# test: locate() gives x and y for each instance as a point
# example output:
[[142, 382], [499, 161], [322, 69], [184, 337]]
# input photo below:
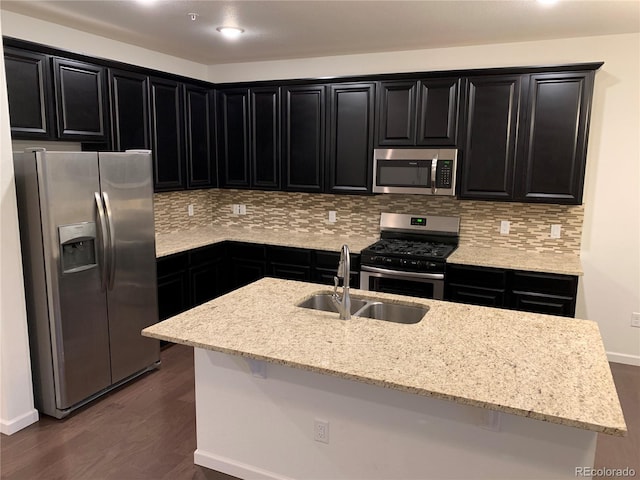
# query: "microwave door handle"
[[434, 167]]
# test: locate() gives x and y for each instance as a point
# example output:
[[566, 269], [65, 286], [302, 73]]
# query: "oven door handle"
[[430, 276]]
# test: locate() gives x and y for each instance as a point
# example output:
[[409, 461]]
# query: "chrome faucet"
[[344, 272]]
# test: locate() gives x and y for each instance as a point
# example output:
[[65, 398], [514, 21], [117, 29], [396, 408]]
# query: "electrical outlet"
[[190, 210], [504, 227], [321, 431], [555, 231], [635, 319], [243, 209], [332, 216]]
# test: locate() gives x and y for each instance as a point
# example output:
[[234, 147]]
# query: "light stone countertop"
[[549, 368], [175, 242], [503, 257], [497, 257]]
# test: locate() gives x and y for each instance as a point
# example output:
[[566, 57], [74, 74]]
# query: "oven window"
[[401, 287], [403, 173]]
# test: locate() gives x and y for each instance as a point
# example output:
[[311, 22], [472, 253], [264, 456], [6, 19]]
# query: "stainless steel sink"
[[361, 307], [322, 301], [393, 312]]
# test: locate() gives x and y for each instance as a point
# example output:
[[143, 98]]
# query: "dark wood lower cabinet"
[[536, 292], [173, 285]]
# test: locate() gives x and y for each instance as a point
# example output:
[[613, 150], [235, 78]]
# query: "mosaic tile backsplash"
[[308, 213]]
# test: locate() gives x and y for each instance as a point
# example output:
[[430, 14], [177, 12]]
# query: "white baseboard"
[[623, 358], [233, 467], [9, 427]]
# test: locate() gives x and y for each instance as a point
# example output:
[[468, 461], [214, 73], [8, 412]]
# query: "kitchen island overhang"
[[486, 360]]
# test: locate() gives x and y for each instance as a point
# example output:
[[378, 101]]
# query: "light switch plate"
[[332, 216], [242, 209], [190, 210], [235, 209], [555, 231], [505, 225]]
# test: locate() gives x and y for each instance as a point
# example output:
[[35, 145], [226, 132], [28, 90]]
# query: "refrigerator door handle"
[[104, 240], [112, 241]]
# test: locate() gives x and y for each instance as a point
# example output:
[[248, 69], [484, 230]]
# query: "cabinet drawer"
[[475, 295], [206, 254], [330, 260], [539, 303], [171, 264], [248, 251], [477, 276], [291, 256], [549, 283], [290, 272]]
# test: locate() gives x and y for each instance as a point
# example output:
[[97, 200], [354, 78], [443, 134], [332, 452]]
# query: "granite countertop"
[[503, 257], [497, 257], [540, 366], [169, 243]]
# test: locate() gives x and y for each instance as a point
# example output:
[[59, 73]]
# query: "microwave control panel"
[[444, 173]]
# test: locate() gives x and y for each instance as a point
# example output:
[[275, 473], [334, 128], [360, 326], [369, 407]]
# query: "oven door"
[[414, 284]]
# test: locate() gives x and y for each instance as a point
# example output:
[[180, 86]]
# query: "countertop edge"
[[395, 386]]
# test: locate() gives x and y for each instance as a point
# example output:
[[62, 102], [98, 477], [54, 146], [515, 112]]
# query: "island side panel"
[[254, 427]]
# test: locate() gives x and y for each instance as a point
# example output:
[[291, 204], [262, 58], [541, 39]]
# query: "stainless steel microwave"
[[425, 171]]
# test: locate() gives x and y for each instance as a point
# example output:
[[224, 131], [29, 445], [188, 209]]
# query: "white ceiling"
[[277, 29]]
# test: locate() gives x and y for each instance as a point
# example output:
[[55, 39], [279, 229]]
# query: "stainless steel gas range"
[[410, 257]]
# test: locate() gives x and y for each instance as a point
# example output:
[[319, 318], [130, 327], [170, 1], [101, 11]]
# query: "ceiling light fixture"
[[230, 32], [193, 16]]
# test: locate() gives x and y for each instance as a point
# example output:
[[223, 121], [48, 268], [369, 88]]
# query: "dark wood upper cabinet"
[[198, 131], [438, 111], [265, 137], [554, 150], [167, 134], [303, 137], [350, 156], [129, 110], [233, 137], [396, 118], [526, 137], [29, 93], [81, 103], [491, 131]]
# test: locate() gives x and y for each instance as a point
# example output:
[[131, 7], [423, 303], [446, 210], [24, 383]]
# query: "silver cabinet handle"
[[104, 240], [402, 273], [112, 240], [434, 167]]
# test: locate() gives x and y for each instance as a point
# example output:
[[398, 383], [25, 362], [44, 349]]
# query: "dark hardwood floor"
[[146, 430]]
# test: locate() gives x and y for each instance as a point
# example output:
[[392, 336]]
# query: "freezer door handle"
[[102, 222], [112, 241]]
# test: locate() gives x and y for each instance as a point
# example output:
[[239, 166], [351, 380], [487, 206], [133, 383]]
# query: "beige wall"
[[16, 395], [610, 288]]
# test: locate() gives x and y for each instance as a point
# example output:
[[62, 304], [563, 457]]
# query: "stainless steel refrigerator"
[[88, 249]]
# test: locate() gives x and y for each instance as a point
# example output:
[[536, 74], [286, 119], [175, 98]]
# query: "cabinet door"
[[197, 132], [167, 135], [265, 138], [490, 144], [247, 271], [129, 110], [173, 285], [475, 295], [350, 156], [29, 93], [206, 282], [396, 124], [476, 285], [438, 111], [303, 146], [233, 137], [81, 106], [544, 292], [555, 139]]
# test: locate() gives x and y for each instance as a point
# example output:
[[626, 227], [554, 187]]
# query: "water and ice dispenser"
[[77, 246]]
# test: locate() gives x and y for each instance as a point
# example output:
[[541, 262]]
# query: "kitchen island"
[[468, 392]]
